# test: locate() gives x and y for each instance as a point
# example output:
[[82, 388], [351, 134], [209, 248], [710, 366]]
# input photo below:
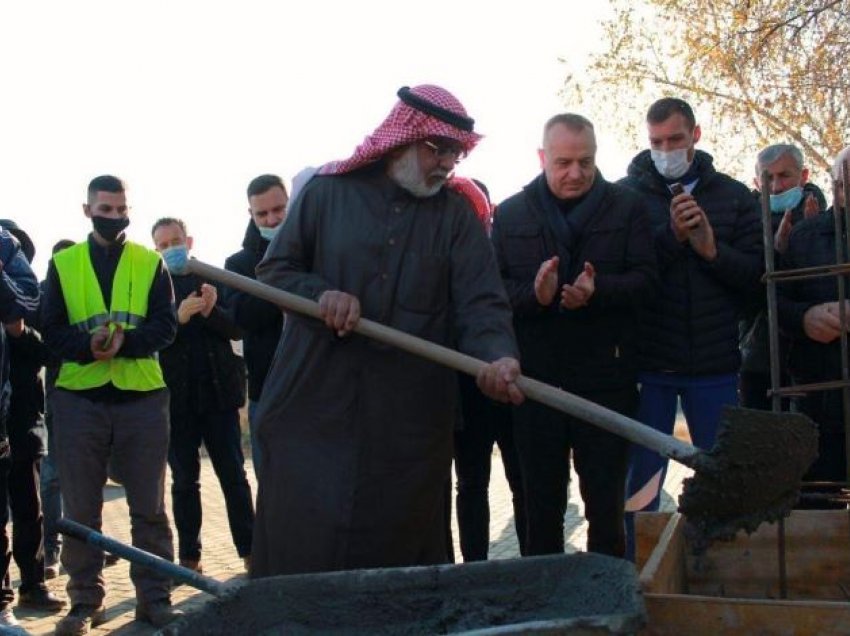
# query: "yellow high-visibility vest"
[[131, 286]]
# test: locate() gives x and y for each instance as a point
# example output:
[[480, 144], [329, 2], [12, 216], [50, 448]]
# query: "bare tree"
[[761, 71]]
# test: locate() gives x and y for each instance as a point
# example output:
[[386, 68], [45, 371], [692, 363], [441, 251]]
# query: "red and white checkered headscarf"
[[422, 111]]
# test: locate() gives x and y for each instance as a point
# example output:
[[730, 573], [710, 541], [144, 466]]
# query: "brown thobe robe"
[[356, 436]]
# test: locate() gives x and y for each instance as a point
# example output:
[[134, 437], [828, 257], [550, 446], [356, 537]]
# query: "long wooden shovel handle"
[[553, 397]]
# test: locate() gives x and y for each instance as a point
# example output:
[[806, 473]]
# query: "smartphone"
[[677, 188], [108, 342]]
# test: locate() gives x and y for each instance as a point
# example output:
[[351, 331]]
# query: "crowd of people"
[[640, 295]]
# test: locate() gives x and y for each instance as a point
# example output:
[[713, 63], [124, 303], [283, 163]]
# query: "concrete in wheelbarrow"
[[221, 561]]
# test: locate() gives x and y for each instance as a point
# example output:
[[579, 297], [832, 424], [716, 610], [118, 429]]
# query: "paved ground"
[[221, 561]]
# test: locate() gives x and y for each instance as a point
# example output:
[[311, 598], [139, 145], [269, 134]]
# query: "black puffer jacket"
[[261, 322], [591, 348], [753, 333], [811, 243], [693, 326], [200, 368], [26, 409]]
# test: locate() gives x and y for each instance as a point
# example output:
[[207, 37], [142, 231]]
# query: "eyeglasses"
[[444, 151]]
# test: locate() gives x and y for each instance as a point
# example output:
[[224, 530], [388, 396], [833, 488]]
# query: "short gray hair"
[[840, 158], [572, 121], [773, 152]]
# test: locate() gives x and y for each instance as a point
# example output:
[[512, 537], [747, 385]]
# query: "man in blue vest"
[[109, 308]]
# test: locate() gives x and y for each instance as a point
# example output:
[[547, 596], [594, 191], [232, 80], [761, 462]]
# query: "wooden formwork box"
[[733, 589]]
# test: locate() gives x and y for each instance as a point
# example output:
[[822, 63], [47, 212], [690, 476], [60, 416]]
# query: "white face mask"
[[671, 165]]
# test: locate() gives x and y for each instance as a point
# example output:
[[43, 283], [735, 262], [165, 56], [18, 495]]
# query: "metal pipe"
[[801, 389], [140, 557], [773, 347], [842, 310], [769, 266], [819, 271]]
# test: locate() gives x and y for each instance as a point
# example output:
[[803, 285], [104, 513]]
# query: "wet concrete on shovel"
[[751, 476]]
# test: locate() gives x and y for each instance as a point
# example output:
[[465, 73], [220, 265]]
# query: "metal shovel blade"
[[752, 474]]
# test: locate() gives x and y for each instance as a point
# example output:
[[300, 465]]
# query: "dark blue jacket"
[[260, 321], [812, 243], [591, 348], [692, 328], [19, 296]]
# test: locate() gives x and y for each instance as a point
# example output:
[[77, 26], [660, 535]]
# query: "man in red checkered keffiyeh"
[[356, 436], [422, 113]]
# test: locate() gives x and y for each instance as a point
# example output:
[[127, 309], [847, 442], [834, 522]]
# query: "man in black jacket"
[[792, 198], [707, 236], [809, 315], [207, 383], [27, 355], [261, 321], [576, 258], [18, 298]]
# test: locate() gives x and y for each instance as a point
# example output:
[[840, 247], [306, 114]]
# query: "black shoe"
[[41, 599], [159, 613]]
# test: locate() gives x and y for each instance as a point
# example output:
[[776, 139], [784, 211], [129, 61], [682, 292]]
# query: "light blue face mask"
[[787, 200], [269, 233], [176, 258]]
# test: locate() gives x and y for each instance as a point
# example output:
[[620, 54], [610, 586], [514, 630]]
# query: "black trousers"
[[484, 423], [19, 487], [545, 439], [219, 431], [753, 388]]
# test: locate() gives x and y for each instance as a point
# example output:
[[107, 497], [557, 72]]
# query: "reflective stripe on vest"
[[131, 286]]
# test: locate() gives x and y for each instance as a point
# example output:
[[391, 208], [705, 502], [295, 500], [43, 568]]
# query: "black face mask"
[[109, 228]]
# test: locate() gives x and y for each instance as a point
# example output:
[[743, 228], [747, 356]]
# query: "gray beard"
[[407, 173]]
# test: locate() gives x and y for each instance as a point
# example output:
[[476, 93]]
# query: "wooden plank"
[[674, 615], [648, 529], [817, 558], [664, 572]]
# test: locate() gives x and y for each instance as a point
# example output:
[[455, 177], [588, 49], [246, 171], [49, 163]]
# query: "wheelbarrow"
[[574, 594], [752, 474]]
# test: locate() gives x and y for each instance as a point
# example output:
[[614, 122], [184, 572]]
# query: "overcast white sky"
[[187, 101]]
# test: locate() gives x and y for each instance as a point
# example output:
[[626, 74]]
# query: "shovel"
[[751, 475]]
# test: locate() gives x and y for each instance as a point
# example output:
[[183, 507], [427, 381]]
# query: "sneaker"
[[192, 564], [159, 613], [40, 598], [7, 618], [81, 619], [9, 625]]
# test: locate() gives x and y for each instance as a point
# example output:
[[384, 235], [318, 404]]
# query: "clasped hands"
[[572, 296], [197, 304]]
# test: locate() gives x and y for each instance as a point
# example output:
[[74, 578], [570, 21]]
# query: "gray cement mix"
[[751, 476], [561, 594]]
